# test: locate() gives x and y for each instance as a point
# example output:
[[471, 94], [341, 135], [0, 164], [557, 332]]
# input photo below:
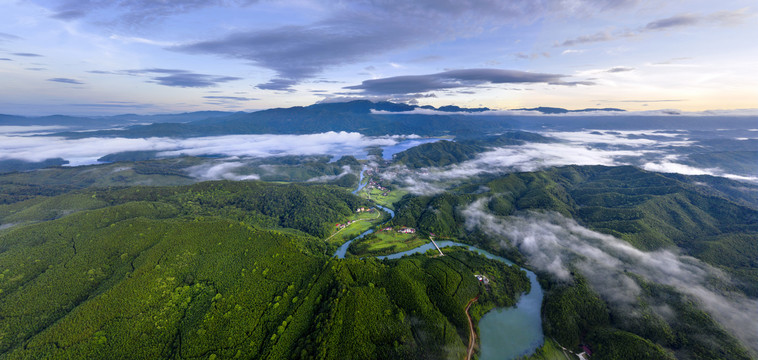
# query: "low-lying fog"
[[661, 151], [552, 243], [653, 150]]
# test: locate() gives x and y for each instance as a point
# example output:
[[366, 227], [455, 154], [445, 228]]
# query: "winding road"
[[471, 331]]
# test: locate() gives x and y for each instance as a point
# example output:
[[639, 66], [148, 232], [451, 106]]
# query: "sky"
[[99, 57]]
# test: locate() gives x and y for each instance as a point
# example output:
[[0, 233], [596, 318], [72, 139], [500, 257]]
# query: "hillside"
[[650, 211], [225, 269]]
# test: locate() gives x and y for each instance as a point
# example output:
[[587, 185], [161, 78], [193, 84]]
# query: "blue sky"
[[150, 56]]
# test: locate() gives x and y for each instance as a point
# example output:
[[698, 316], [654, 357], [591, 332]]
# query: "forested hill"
[[224, 270], [705, 217], [311, 209], [443, 153], [440, 153]]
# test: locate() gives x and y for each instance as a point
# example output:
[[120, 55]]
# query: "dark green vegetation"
[[222, 270], [11, 165], [648, 210], [18, 186], [439, 153], [698, 216], [443, 153], [304, 168]]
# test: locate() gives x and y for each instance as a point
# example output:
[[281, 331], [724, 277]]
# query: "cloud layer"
[[130, 13], [651, 150], [411, 84], [355, 31], [66, 81], [720, 18], [88, 150], [176, 77], [552, 243]]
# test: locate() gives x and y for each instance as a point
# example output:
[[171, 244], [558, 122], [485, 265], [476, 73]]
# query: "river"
[[504, 333]]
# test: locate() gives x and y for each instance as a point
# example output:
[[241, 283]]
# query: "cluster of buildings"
[[342, 226], [362, 209], [483, 279], [375, 185], [403, 230]]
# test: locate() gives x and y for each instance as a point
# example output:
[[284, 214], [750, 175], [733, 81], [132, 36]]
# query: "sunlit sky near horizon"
[[90, 57]]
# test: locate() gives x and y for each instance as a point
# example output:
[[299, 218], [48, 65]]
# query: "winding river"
[[505, 333]]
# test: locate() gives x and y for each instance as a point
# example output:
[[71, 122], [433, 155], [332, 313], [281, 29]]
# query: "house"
[[483, 279], [387, 229], [406, 230], [341, 226]]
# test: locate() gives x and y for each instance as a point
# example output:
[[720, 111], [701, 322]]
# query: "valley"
[[330, 256]]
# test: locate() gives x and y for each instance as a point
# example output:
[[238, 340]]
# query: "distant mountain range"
[[357, 106], [554, 110], [366, 117]]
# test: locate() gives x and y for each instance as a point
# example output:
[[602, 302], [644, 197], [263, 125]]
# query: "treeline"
[[312, 209], [309, 208], [145, 277]]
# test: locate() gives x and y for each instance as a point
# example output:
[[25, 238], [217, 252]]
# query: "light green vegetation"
[[551, 350], [48, 208], [362, 222], [386, 242], [224, 270], [388, 201]]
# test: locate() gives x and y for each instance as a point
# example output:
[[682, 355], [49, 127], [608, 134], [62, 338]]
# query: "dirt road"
[[471, 332]]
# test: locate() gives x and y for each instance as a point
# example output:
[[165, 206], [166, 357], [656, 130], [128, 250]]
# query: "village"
[[402, 230]]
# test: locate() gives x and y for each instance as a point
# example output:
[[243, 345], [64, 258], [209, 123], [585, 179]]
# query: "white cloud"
[[219, 171], [672, 167], [29, 130], [527, 157], [652, 150], [88, 150], [657, 112], [551, 242], [324, 178], [572, 51]]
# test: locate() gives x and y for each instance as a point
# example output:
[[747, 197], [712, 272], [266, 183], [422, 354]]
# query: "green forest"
[[224, 270], [704, 217]]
